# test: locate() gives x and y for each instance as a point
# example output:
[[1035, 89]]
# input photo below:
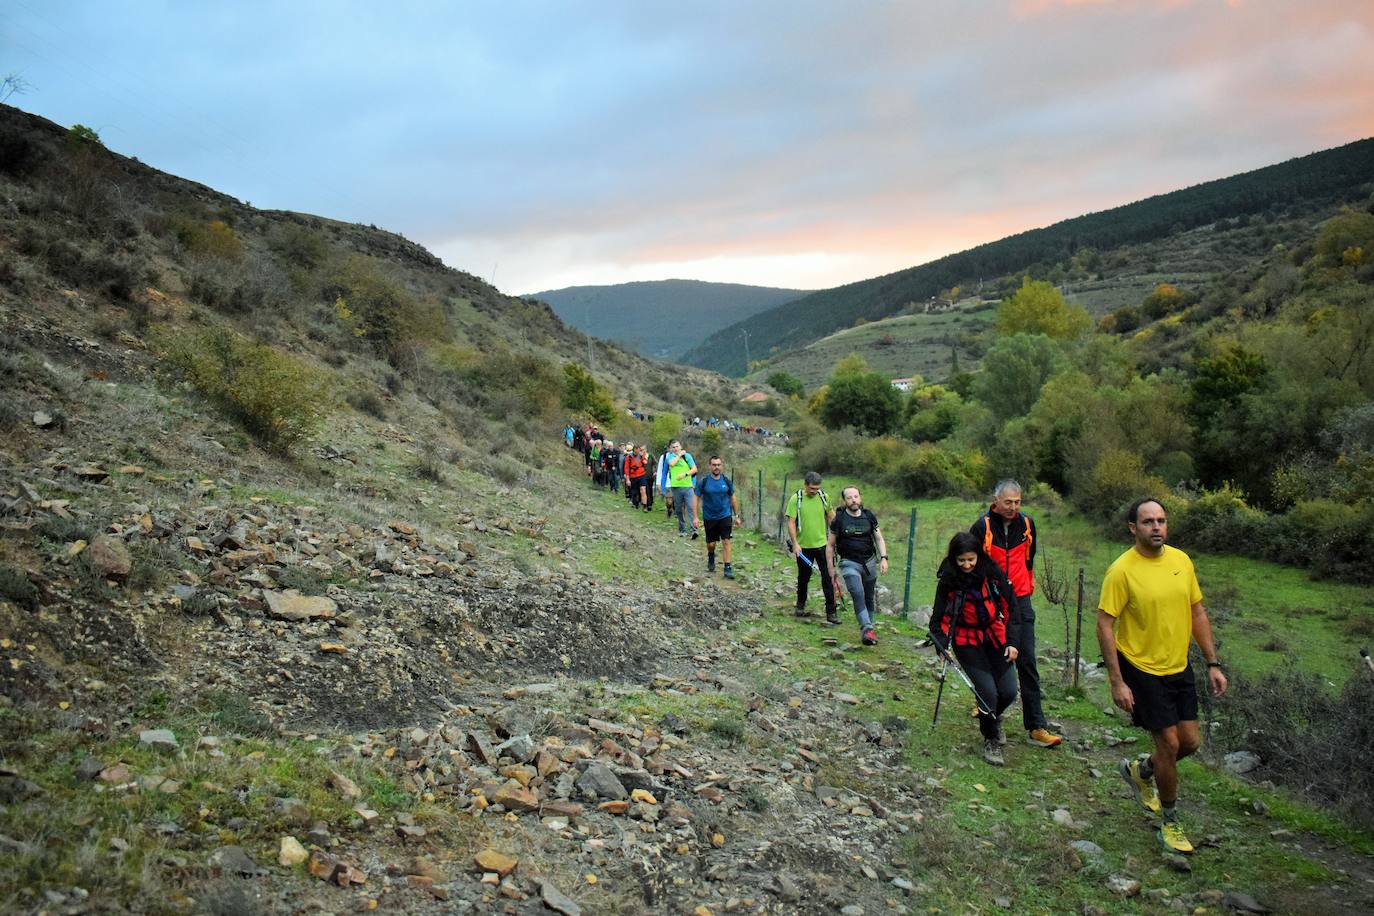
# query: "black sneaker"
[[711, 564], [694, 533], [832, 618]]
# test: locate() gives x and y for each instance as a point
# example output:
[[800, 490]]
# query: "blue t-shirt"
[[715, 496]]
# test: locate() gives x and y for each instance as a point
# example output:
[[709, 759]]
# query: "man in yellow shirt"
[[1151, 604]]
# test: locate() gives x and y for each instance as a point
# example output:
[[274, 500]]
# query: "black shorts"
[[719, 529], [1161, 701]]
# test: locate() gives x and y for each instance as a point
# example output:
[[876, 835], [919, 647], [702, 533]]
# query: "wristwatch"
[[883, 557], [1216, 664]]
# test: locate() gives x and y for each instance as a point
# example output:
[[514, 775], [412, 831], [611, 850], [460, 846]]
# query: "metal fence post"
[[1078, 629], [782, 508], [910, 554], [759, 526]]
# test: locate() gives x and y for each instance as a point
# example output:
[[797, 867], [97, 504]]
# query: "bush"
[[212, 239], [584, 395], [864, 400], [664, 429], [1309, 738], [787, 384], [276, 397], [376, 308], [16, 588], [367, 402]]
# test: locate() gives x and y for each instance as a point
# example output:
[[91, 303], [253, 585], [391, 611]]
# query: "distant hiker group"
[[700, 501], [982, 621]]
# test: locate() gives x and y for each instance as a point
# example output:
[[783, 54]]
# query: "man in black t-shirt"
[[858, 545]]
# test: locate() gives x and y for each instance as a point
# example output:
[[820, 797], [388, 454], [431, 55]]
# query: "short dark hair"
[[1133, 512], [714, 458]]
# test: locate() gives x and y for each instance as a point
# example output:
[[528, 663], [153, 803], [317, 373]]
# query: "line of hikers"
[[982, 620], [702, 502]]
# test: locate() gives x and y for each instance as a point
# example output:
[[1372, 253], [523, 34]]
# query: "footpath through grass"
[[998, 842], [1264, 614]]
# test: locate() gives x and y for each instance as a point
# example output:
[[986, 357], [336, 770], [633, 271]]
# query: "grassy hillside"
[[903, 346], [661, 318], [1192, 260], [1291, 189]]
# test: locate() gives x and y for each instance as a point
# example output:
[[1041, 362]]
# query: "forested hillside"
[[1287, 189], [1248, 403], [662, 318]]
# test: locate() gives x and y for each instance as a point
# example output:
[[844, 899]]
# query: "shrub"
[[711, 443], [212, 239], [583, 394], [276, 397], [1310, 738], [786, 383], [377, 308], [864, 400], [300, 246], [16, 587], [367, 402], [664, 429]]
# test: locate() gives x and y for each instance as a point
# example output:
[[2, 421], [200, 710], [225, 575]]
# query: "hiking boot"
[[870, 638], [1043, 737], [801, 611], [992, 752], [832, 618], [1143, 788], [729, 571], [1001, 736], [1172, 838], [711, 563]]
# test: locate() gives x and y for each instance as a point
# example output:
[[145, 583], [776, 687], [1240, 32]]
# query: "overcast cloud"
[[792, 144]]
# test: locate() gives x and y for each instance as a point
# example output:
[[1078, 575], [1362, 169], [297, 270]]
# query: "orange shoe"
[[1043, 737]]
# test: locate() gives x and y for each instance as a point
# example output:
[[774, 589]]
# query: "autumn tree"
[[1038, 308]]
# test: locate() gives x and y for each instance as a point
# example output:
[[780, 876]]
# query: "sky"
[[795, 144]]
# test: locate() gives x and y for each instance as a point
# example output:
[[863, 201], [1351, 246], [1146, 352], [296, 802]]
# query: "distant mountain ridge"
[[663, 318], [1306, 182]]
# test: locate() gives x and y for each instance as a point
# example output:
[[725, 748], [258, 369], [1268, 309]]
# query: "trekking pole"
[[1078, 629], [944, 664], [1368, 662], [977, 697], [910, 551]]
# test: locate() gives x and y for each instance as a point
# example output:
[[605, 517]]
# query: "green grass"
[[109, 841], [1253, 603]]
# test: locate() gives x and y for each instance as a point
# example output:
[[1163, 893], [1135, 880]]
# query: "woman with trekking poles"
[[976, 616]]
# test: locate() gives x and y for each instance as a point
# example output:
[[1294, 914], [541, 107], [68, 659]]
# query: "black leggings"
[[994, 678]]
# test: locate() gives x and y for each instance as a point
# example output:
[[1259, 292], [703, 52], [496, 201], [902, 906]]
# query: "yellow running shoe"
[[1172, 838], [1144, 788]]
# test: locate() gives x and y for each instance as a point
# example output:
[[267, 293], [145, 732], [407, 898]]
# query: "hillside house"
[[903, 384]]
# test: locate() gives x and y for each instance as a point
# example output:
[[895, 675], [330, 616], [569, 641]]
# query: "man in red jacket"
[[1009, 539]]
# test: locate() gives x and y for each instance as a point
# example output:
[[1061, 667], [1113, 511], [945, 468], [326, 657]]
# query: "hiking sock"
[[1168, 811]]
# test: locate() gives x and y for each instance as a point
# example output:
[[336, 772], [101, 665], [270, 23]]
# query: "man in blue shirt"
[[717, 503]]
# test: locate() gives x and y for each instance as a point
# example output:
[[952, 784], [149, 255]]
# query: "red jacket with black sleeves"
[[1011, 545], [975, 607]]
